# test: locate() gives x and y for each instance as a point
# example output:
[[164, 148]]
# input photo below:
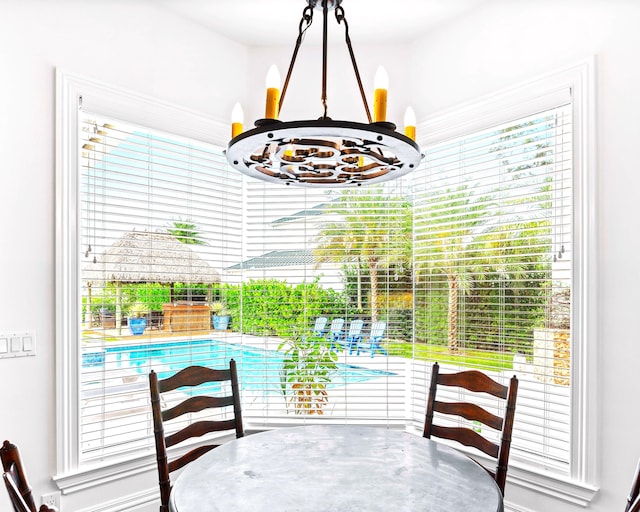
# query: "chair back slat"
[[189, 378], [193, 376], [466, 437], [471, 412], [474, 380], [196, 404], [477, 415], [198, 429], [190, 456]]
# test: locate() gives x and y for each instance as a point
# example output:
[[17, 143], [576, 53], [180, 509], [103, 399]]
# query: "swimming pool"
[[258, 369]]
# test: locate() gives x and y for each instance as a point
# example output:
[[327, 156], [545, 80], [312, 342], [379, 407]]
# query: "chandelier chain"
[[305, 21], [325, 20], [340, 17]]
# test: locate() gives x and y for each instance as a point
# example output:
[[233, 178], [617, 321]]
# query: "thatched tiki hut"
[[144, 257]]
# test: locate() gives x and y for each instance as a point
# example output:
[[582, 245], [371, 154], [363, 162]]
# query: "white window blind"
[[159, 220], [339, 254], [493, 267], [467, 262]]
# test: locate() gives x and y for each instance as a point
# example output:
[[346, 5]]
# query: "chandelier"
[[323, 152]]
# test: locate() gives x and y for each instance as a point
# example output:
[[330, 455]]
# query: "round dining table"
[[334, 468]]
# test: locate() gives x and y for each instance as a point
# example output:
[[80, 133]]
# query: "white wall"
[[134, 45], [131, 44]]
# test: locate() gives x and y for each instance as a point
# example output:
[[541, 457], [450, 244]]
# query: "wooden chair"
[[633, 501], [189, 377], [16, 480], [477, 382]]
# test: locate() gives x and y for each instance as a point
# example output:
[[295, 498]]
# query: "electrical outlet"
[[52, 500]]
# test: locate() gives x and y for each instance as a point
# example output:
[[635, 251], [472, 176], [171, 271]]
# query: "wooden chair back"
[[16, 481], [190, 377], [475, 381], [633, 500]]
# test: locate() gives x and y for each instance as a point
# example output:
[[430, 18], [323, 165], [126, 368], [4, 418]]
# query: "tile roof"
[[277, 259]]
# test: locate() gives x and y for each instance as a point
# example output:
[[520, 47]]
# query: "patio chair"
[[476, 415], [107, 319], [354, 336], [633, 500], [16, 481], [155, 320], [335, 333], [375, 339], [319, 327], [190, 377]]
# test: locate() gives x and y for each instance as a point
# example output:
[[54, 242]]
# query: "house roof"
[[141, 256], [318, 209], [277, 259]]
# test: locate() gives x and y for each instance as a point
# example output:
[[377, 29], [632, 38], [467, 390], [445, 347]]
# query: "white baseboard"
[[146, 500]]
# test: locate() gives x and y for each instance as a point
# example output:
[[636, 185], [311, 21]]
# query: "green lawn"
[[476, 359]]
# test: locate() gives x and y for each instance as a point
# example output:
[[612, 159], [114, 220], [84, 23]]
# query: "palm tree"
[[373, 229], [447, 225], [186, 231]]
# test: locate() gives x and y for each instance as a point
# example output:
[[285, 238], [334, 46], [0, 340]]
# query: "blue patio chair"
[[321, 323], [354, 336], [375, 339], [335, 333]]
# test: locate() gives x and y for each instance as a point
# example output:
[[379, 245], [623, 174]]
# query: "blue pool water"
[[258, 369]]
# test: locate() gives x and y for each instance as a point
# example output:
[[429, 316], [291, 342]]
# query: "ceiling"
[[275, 22]]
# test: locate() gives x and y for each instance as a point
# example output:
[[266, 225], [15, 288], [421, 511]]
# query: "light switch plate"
[[17, 344]]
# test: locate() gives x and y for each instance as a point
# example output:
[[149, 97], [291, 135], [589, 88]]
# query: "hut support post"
[[88, 314], [119, 307]]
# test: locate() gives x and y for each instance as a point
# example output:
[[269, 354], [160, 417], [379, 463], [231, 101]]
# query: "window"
[[493, 264], [159, 220], [510, 179], [481, 258]]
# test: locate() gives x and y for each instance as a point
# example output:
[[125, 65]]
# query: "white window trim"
[[97, 97], [509, 104], [506, 105]]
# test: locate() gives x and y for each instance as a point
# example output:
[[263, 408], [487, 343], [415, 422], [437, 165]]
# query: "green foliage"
[[275, 308], [186, 231], [153, 295], [219, 308], [138, 310], [306, 372]]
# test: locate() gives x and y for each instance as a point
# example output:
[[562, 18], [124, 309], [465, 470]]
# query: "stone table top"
[[334, 468]]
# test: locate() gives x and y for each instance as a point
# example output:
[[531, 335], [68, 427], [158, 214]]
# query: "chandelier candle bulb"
[[273, 93], [380, 84], [237, 118], [410, 123]]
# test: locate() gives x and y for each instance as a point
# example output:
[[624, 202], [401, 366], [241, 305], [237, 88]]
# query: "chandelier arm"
[[307, 17], [340, 17]]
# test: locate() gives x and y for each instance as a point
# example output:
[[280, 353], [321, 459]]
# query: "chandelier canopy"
[[323, 152]]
